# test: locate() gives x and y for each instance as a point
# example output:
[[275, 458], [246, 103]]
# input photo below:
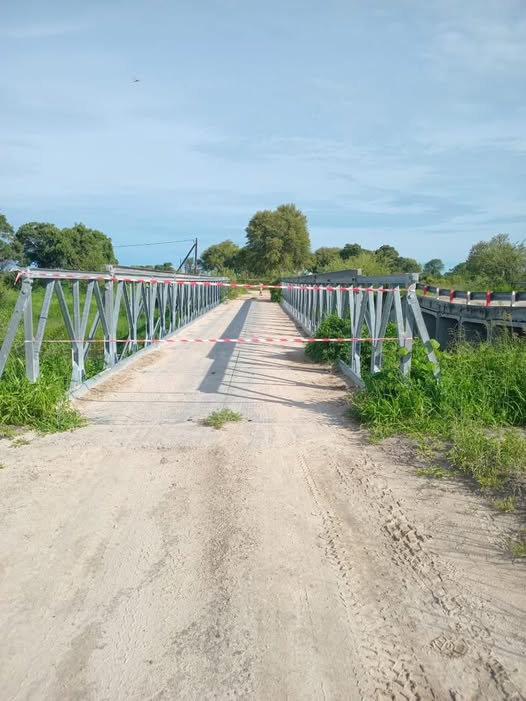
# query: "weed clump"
[[41, 405], [217, 419]]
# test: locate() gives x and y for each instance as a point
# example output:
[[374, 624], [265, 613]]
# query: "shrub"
[[331, 327]]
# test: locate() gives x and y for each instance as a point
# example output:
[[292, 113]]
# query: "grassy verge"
[[475, 414], [41, 406], [477, 408]]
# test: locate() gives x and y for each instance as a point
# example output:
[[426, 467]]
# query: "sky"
[[386, 122]]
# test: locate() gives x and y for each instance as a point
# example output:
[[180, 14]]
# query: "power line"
[[158, 243]]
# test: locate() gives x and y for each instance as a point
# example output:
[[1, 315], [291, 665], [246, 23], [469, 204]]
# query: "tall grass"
[[42, 405], [474, 410], [484, 384], [481, 395]]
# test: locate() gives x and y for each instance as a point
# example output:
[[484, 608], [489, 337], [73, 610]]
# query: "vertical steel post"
[[110, 347], [29, 340]]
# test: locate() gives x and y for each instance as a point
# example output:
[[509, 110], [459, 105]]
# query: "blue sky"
[[400, 122]]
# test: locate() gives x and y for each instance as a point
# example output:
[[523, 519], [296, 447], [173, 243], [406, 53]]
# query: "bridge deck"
[[146, 556]]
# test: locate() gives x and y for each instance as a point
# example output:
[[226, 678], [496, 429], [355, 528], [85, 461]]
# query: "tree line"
[[277, 243], [47, 246]]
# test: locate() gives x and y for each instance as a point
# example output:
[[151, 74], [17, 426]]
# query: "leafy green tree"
[[434, 267], [498, 260], [407, 265], [278, 241], [10, 250], [388, 256], [326, 259], [220, 256], [74, 248], [368, 263], [351, 250]]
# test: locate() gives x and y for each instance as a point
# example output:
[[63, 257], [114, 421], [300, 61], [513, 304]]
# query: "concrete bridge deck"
[[147, 556]]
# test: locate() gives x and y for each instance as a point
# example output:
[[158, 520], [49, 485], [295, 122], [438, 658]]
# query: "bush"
[[276, 295], [331, 327]]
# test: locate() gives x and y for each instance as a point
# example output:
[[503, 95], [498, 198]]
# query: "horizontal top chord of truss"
[[201, 281]]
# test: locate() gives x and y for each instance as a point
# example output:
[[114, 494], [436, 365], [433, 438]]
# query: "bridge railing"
[[370, 307], [122, 310], [487, 298]]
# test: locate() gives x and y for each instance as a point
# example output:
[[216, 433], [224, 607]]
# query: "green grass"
[[43, 405], [7, 432], [434, 472], [517, 545], [506, 505], [476, 408], [492, 460], [217, 419], [19, 442], [234, 293]]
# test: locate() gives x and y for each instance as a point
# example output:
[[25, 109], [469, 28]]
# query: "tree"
[[326, 257], [498, 260], [10, 250], [407, 265], [388, 256], [220, 256], [434, 267], [164, 267], [351, 250], [368, 263], [74, 248], [278, 241]]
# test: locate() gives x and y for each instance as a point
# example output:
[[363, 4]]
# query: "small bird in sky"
[[136, 80]]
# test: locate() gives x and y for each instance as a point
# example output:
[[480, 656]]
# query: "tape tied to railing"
[[86, 277], [259, 339]]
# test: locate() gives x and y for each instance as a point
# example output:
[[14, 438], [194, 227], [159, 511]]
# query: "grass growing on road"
[[517, 545], [217, 419]]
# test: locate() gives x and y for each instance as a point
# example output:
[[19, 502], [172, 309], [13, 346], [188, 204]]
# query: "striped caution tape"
[[298, 339], [28, 274]]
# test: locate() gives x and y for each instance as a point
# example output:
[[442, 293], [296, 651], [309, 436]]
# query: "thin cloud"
[[44, 30]]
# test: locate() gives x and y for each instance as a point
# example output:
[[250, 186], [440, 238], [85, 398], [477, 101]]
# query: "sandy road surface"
[[147, 557]]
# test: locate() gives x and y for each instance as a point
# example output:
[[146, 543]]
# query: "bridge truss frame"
[[149, 306], [370, 309]]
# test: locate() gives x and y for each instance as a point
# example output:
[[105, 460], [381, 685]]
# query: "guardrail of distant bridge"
[[486, 298], [137, 305]]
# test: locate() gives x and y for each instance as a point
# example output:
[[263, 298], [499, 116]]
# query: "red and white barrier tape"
[[192, 283], [298, 339]]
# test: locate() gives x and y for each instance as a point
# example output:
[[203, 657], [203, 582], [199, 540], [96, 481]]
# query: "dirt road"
[[148, 557]]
